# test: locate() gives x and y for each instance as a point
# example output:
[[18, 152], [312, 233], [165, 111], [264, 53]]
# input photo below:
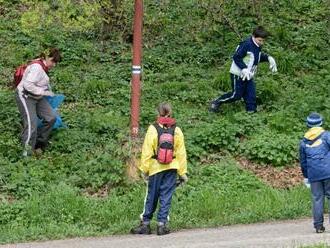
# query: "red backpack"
[[18, 75], [165, 147]]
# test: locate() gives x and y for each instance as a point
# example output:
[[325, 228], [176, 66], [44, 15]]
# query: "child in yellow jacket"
[[161, 177]]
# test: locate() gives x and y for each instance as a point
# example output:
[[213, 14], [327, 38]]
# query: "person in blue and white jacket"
[[314, 156], [244, 66]]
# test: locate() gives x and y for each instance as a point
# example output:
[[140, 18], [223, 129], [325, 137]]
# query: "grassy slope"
[[187, 64], [218, 194]]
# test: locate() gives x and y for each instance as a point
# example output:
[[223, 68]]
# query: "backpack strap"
[[40, 62], [161, 130]]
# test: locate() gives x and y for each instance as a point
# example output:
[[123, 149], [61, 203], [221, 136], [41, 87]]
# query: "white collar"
[[254, 42]]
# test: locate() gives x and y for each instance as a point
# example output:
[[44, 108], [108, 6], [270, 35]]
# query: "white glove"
[[272, 64], [145, 177], [48, 93], [306, 182], [246, 74], [182, 180]]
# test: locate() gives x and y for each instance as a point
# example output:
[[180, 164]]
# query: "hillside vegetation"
[[187, 52]]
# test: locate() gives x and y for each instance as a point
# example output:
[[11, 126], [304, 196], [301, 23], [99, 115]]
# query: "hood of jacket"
[[166, 121], [313, 133]]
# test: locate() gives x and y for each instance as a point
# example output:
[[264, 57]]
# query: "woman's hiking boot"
[[143, 228], [320, 229], [41, 145], [162, 229]]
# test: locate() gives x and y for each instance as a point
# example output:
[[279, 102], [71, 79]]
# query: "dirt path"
[[272, 234]]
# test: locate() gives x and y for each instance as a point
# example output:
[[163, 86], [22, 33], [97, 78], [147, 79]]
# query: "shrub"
[[271, 148]]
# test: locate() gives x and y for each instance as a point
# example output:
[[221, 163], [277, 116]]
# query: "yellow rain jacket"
[[150, 165]]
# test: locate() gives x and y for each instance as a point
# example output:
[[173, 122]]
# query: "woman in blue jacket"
[[315, 165]]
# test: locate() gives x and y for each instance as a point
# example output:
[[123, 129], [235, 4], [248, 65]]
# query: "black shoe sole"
[[320, 230], [141, 233]]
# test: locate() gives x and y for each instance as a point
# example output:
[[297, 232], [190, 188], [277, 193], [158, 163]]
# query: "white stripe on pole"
[[136, 69]]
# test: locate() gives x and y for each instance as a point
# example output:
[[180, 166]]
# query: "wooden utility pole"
[[135, 89], [136, 68]]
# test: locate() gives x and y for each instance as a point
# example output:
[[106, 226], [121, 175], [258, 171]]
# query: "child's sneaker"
[[320, 229], [141, 229], [213, 108], [162, 229]]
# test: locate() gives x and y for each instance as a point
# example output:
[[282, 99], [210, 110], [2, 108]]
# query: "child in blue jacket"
[[243, 68], [315, 165]]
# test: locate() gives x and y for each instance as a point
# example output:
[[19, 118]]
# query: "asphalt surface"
[[296, 233]]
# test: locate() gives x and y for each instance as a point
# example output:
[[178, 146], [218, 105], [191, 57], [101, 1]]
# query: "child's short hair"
[[164, 109], [261, 32]]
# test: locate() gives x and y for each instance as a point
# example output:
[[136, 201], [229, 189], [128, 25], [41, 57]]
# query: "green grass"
[[217, 194], [321, 245]]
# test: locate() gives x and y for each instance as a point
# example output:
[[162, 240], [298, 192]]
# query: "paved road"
[[272, 234]]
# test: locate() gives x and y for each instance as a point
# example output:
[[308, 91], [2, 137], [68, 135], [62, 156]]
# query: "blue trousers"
[[240, 89], [161, 187], [319, 190]]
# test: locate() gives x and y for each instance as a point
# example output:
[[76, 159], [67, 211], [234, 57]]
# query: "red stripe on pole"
[[136, 67]]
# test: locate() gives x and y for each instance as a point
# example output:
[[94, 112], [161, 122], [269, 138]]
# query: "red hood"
[[166, 121]]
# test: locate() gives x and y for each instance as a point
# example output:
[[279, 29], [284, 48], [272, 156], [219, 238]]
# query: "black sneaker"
[[162, 230], [141, 229], [41, 145], [320, 229]]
